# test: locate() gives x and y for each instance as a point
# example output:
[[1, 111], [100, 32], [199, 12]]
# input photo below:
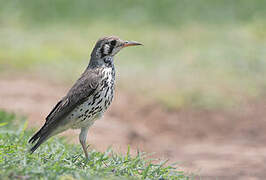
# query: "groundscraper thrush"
[[89, 97]]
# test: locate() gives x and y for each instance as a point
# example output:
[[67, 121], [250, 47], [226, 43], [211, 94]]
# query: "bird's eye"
[[113, 42]]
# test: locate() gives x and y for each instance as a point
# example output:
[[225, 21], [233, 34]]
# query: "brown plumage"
[[89, 97]]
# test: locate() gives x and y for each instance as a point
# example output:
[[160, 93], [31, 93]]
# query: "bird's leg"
[[82, 140]]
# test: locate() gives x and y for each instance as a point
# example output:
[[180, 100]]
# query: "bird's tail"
[[41, 136]]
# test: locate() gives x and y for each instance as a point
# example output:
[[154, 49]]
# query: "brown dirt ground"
[[228, 144]]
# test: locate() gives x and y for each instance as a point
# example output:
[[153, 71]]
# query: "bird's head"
[[108, 47]]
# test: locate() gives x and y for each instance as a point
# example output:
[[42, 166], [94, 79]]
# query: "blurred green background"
[[200, 54]]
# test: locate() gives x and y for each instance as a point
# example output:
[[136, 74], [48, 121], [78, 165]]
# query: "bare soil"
[[224, 144]]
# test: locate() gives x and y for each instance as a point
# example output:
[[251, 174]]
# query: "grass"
[[204, 54], [56, 159]]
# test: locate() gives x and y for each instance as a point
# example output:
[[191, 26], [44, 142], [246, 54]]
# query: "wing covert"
[[81, 90]]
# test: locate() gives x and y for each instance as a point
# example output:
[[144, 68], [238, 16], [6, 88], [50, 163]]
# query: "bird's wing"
[[82, 89]]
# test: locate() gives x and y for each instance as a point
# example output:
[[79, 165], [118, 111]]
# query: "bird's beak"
[[131, 43]]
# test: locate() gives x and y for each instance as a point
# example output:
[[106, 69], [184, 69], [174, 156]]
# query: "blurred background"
[[194, 94]]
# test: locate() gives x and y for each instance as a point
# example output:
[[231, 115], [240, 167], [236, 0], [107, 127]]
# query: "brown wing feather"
[[82, 89]]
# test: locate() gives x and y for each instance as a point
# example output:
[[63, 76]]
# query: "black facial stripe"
[[112, 45], [111, 49], [102, 51], [113, 42]]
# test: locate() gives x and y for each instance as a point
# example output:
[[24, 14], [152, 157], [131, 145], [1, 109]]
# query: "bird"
[[89, 97]]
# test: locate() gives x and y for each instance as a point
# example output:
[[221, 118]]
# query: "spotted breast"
[[93, 108]]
